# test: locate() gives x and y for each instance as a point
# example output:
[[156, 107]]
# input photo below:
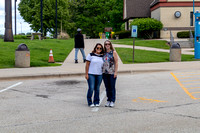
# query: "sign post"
[[134, 35]]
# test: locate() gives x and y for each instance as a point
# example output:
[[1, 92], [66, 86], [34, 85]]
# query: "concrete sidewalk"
[[187, 51], [69, 68]]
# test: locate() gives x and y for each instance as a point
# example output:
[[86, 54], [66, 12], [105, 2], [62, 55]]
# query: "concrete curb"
[[24, 77]]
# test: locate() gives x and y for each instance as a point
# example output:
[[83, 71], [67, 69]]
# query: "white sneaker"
[[91, 105], [112, 104], [97, 105], [107, 104]]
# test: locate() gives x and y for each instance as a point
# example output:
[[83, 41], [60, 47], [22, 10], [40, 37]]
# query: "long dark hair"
[[111, 47], [94, 50]]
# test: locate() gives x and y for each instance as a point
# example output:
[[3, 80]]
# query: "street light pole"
[[8, 37], [15, 19], [41, 8], [56, 21]]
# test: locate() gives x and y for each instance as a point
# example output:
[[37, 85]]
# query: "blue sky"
[[21, 25]]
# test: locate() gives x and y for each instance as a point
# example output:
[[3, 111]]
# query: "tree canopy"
[[30, 11], [92, 16]]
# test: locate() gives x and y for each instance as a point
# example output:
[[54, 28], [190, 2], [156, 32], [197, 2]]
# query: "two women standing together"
[[102, 63]]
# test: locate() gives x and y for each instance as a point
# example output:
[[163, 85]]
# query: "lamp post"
[[56, 21], [8, 37], [41, 8]]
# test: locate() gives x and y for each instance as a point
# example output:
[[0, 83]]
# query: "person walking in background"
[[93, 74], [79, 44], [110, 68]]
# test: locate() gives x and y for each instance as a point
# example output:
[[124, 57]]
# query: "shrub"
[[25, 37], [20, 37], [184, 34], [146, 26], [123, 34], [123, 26]]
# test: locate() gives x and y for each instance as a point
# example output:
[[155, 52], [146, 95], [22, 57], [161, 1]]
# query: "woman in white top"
[[93, 74]]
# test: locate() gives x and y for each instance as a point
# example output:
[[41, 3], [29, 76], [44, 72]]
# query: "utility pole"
[[56, 21], [41, 8], [8, 36]]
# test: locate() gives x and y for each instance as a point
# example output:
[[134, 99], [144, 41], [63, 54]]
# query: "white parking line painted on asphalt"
[[103, 94], [11, 87]]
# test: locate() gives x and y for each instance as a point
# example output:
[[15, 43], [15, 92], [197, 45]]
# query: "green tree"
[[30, 11], [90, 15], [116, 15], [94, 15]]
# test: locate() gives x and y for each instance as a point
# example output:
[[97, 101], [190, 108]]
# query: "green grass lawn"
[[143, 56], [146, 43], [39, 51]]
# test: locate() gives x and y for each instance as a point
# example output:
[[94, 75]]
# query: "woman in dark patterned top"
[[110, 68]]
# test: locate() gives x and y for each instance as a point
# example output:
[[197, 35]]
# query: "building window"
[[191, 19]]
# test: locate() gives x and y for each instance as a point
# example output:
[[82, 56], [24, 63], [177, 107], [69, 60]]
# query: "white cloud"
[[21, 25]]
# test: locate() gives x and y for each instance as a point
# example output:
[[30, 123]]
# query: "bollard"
[[22, 56]]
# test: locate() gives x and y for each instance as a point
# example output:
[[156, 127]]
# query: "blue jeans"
[[94, 83], [109, 82], [76, 53]]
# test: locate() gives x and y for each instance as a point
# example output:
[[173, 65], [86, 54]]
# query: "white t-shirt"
[[96, 63]]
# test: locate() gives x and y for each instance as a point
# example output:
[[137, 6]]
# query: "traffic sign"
[[134, 31]]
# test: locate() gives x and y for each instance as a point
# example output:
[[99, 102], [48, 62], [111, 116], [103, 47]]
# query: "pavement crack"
[[155, 110], [24, 92], [37, 95], [164, 107], [175, 106], [180, 115]]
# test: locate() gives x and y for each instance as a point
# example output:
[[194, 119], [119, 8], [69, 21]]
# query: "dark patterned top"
[[108, 65]]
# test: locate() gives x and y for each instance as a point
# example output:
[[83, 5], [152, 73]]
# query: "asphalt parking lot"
[[147, 102]]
